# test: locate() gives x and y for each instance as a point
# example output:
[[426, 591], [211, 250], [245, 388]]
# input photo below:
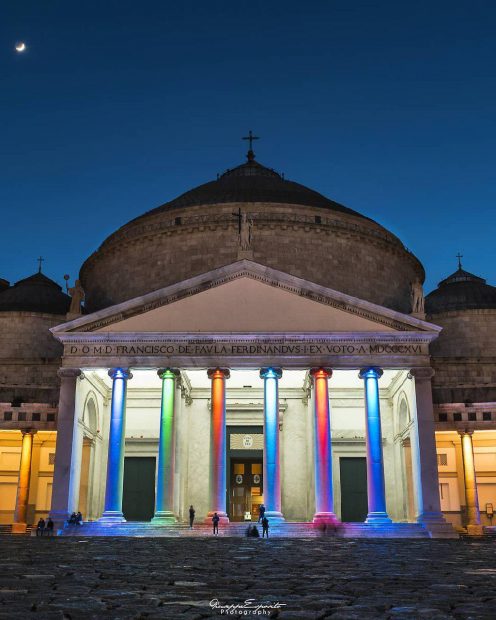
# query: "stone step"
[[277, 529]]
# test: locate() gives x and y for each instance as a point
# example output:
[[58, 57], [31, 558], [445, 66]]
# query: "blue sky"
[[117, 107]]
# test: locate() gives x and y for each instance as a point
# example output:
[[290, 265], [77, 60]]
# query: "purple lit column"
[[376, 490], [271, 467], [324, 501], [115, 464]]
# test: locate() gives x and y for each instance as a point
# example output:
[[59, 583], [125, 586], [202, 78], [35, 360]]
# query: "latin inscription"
[[243, 350]]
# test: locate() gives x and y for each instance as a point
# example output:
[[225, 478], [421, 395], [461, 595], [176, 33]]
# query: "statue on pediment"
[[417, 297], [77, 297]]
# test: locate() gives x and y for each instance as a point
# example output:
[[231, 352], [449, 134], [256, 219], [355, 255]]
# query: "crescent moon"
[[20, 47]]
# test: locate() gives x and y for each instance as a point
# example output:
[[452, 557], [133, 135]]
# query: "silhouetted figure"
[[40, 528], [191, 516], [261, 512], [254, 532], [79, 519], [49, 527], [215, 522], [265, 527], [73, 519]]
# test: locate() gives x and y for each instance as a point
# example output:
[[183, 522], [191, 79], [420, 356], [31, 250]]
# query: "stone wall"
[[29, 357], [346, 253], [464, 356]]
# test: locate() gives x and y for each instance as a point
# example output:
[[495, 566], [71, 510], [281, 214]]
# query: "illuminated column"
[[164, 512], [218, 377], [424, 457], [470, 480], [21, 509], [376, 491], [271, 467], [65, 473], [115, 464], [324, 500]]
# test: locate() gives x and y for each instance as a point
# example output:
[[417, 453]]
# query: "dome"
[[251, 182], [461, 291], [35, 294], [292, 228]]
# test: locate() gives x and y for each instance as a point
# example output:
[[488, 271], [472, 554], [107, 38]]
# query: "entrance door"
[[353, 471], [246, 488], [138, 501]]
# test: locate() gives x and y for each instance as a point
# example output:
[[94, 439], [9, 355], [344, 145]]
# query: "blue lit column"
[[376, 491], [165, 471], [271, 468], [115, 463]]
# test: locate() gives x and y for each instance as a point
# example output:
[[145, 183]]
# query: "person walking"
[[215, 522], [40, 528], [261, 512], [265, 527], [191, 516], [49, 527]]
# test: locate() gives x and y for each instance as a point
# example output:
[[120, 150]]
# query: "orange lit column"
[[218, 377], [21, 509], [324, 501], [470, 480]]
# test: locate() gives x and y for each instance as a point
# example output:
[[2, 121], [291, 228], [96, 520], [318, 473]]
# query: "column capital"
[[321, 373], [120, 373], [218, 373], [270, 373], [466, 431], [69, 372], [371, 372], [28, 431], [168, 373], [422, 374]]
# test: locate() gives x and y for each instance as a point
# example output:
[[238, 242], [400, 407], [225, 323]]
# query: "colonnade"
[[324, 501], [424, 461]]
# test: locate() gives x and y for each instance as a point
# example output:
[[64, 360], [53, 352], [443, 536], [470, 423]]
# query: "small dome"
[[461, 291], [35, 294], [251, 182]]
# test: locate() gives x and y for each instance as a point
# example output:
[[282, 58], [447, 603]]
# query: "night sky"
[[116, 107]]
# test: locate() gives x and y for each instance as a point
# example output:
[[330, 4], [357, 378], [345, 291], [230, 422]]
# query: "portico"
[[174, 370]]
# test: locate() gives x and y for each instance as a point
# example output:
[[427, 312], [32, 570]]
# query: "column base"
[[436, 525], [475, 530], [112, 516], [19, 528], [223, 518], [274, 516], [378, 518], [59, 518], [164, 516], [328, 518]]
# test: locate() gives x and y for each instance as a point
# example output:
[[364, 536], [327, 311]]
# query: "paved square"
[[76, 578]]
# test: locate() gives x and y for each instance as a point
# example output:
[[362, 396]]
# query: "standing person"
[[215, 521], [265, 527], [40, 528], [261, 512], [49, 527], [191, 516]]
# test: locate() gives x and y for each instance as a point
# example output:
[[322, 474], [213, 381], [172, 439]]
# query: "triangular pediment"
[[245, 297]]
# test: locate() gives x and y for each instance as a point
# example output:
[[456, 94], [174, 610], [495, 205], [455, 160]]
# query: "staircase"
[[282, 529], [6, 530]]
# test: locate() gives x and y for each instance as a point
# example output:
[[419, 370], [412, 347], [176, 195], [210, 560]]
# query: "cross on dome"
[[40, 259], [250, 137], [459, 257]]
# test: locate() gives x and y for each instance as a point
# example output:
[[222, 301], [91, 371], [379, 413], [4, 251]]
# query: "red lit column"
[[218, 377], [324, 501]]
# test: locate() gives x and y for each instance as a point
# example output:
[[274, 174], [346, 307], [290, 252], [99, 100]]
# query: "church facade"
[[262, 345]]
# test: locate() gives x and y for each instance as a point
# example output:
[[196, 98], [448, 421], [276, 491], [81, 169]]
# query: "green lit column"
[[165, 474]]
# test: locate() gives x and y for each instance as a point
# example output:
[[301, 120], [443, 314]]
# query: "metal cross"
[[40, 260], [250, 137], [239, 216], [459, 257]]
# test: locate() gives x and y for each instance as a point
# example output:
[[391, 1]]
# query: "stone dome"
[[461, 291], [37, 293], [293, 229]]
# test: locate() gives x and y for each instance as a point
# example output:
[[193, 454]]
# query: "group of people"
[[76, 518], [44, 526], [252, 530]]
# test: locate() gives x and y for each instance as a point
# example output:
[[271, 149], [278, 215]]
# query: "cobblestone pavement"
[[341, 579]]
